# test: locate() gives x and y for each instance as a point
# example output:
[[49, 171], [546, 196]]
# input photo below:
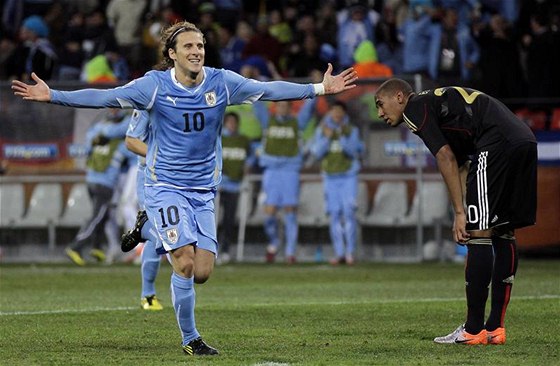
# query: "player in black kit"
[[472, 133]]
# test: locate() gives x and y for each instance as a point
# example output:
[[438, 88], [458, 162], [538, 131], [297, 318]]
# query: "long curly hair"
[[169, 40]]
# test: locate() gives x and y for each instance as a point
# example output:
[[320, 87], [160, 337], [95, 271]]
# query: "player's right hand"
[[40, 92]]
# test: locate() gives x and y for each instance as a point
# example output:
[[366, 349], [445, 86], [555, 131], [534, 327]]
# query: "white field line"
[[258, 305]]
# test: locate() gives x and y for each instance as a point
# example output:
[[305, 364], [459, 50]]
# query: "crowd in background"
[[506, 48]]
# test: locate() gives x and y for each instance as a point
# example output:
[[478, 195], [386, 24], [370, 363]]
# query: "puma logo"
[[172, 100]]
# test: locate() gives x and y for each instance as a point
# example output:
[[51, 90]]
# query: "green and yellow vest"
[[282, 139], [101, 155], [336, 161], [235, 150]]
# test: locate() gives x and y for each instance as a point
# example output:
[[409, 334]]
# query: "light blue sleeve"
[[115, 130], [320, 145], [139, 93], [261, 112], [138, 125], [246, 91], [352, 145], [306, 113], [91, 133]]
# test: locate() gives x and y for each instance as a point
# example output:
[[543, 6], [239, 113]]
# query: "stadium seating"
[[44, 210], [389, 204], [435, 205], [78, 207], [12, 204], [311, 210], [45, 206]]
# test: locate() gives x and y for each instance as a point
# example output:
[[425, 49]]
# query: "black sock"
[[478, 273], [505, 267]]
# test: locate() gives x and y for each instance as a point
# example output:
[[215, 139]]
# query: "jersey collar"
[[190, 90]]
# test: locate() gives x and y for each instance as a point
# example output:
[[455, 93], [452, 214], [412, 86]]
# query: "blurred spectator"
[[107, 155], [367, 64], [244, 31], [209, 28], [278, 28], [109, 67], [453, 51], [8, 68], [326, 22], [303, 60], [499, 60], [388, 42], [35, 53], [355, 25], [543, 60], [228, 12], [71, 53], [124, 17], [151, 33], [97, 36], [231, 48], [338, 146], [263, 44], [237, 158], [417, 33]]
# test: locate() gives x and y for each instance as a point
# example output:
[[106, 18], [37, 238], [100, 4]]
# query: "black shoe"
[[199, 348], [134, 236]]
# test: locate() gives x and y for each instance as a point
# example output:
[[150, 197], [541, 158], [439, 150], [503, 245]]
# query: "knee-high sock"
[[290, 223], [150, 268], [183, 298], [478, 273], [350, 228], [148, 232], [335, 229], [505, 267], [271, 230]]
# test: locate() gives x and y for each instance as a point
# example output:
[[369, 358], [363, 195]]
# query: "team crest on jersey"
[[172, 235], [210, 98]]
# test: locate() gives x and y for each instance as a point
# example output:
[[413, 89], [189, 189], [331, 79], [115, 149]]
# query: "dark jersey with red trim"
[[466, 119]]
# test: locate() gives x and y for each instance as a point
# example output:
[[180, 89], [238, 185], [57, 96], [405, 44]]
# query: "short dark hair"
[[341, 104], [393, 86], [235, 115]]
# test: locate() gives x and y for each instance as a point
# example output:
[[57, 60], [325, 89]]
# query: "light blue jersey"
[[185, 151], [139, 128]]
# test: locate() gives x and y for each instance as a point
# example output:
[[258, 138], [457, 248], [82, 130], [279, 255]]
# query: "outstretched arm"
[[139, 94], [243, 91]]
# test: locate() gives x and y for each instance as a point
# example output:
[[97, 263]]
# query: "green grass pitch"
[[306, 314]]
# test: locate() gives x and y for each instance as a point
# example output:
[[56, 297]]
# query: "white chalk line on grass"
[[309, 303]]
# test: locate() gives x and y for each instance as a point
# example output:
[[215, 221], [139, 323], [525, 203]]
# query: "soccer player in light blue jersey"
[[106, 158], [282, 159], [137, 138], [337, 144], [186, 104]]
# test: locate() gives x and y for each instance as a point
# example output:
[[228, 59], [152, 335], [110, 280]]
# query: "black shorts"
[[502, 187]]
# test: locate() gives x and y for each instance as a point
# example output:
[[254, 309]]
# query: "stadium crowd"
[[506, 48]]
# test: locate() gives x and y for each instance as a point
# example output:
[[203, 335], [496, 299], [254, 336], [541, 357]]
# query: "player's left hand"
[[341, 82]]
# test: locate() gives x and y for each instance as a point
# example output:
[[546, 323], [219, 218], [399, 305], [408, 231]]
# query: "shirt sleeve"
[[246, 91], [115, 130], [306, 113], [320, 145], [351, 144], [139, 93], [138, 125]]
